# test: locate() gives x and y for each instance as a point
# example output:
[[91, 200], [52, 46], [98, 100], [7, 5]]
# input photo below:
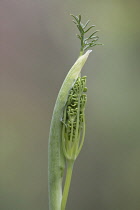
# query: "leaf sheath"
[[56, 160]]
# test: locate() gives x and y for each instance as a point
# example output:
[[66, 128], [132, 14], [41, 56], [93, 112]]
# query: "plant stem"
[[67, 183]]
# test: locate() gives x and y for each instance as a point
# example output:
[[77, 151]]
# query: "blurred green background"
[[37, 48]]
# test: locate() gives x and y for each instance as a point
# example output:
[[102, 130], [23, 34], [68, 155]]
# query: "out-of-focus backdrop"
[[37, 48]]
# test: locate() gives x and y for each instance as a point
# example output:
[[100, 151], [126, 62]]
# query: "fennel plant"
[[67, 130]]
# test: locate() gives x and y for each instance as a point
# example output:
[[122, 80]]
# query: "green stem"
[[67, 183], [81, 51]]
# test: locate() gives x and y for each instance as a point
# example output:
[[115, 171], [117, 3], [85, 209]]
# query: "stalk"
[[67, 184]]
